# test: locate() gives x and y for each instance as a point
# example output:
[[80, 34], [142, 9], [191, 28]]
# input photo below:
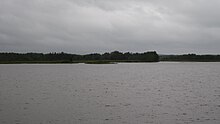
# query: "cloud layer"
[[85, 26]]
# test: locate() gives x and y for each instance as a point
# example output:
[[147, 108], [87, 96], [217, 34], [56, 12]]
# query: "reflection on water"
[[157, 93]]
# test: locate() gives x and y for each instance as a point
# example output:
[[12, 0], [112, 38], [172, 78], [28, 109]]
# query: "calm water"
[[157, 93]]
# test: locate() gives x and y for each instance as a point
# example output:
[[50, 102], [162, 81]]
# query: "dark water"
[[157, 93]]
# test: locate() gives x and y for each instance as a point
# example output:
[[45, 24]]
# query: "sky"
[[98, 26]]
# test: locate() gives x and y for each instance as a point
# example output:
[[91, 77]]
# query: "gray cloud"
[[76, 26]]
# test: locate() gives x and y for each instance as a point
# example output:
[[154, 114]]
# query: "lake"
[[124, 93]]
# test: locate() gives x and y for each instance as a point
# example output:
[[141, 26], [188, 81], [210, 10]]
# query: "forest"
[[190, 58], [93, 58], [105, 58]]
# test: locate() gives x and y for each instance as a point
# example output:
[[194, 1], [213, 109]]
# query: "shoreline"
[[95, 62]]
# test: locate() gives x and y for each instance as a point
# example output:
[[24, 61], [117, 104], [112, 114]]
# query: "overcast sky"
[[88, 26]]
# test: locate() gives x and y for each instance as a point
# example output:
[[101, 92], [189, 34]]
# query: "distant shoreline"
[[106, 58], [104, 62], [93, 58], [73, 62]]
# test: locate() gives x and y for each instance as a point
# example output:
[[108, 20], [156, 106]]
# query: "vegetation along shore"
[[96, 58]]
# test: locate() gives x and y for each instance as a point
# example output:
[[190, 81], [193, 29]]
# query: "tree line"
[[115, 56], [191, 57], [150, 56]]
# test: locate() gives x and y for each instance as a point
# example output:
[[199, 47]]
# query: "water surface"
[[126, 93]]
